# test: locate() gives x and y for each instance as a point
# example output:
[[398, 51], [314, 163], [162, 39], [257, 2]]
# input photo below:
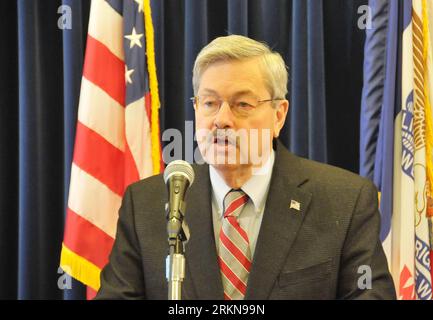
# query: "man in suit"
[[264, 224]]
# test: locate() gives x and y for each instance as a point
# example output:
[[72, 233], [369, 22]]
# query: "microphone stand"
[[175, 262]]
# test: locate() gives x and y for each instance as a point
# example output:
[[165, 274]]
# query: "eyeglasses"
[[242, 106]]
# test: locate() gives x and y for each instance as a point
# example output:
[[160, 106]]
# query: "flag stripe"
[[92, 244], [138, 136], [98, 158], [102, 114], [130, 168], [102, 18], [91, 199], [90, 293], [105, 70], [148, 106]]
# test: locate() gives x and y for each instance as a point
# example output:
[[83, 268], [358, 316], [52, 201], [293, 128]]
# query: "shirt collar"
[[256, 187]]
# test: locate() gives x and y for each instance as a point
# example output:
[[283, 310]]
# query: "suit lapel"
[[200, 251], [286, 207]]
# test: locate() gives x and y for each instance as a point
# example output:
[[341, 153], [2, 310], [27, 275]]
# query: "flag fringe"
[[154, 93], [428, 112], [80, 268]]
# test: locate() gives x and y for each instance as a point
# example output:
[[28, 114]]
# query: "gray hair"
[[236, 47]]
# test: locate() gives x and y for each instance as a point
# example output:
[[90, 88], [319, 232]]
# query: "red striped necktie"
[[234, 248]]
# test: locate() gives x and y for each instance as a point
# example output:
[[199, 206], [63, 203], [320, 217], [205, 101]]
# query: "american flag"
[[117, 139]]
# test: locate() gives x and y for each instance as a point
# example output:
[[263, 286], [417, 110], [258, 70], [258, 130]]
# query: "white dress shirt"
[[257, 188]]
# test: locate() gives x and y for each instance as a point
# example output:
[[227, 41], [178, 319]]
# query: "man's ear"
[[281, 114]]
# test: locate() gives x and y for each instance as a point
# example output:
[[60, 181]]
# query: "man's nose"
[[224, 118]]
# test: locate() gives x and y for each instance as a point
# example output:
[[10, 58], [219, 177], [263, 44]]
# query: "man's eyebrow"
[[242, 92], [236, 94], [206, 90]]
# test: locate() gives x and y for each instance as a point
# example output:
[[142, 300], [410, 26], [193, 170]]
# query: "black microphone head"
[[179, 167]]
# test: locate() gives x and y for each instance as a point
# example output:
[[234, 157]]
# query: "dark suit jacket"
[[311, 253]]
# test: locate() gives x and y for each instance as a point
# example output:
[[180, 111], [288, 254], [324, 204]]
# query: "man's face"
[[236, 134]]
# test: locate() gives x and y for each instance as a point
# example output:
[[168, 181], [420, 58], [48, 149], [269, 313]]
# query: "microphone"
[[178, 176]]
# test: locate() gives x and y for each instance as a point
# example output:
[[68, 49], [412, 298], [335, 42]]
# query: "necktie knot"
[[234, 201]]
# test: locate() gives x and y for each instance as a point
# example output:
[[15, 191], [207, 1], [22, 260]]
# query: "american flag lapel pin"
[[295, 205]]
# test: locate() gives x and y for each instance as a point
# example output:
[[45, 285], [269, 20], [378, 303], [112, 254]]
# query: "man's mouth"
[[224, 141], [221, 141]]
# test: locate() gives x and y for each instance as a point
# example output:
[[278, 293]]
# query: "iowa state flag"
[[117, 140], [396, 131]]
